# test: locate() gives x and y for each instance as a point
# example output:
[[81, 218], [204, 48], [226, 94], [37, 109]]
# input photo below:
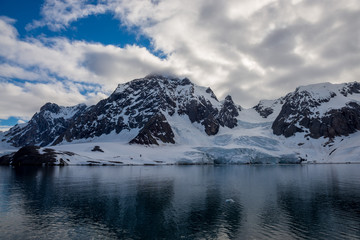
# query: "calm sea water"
[[181, 202]]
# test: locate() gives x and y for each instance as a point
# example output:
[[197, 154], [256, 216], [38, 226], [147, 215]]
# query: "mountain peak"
[[328, 90], [228, 98], [320, 110], [145, 111], [137, 105], [51, 107], [153, 81]]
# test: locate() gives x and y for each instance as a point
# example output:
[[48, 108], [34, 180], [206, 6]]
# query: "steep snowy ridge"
[[44, 126], [141, 104], [320, 110], [135, 111], [269, 109], [52, 111], [321, 98], [182, 123]]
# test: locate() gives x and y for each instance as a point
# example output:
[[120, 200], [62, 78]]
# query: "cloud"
[[4, 128], [23, 101], [58, 14], [11, 71], [62, 71], [122, 64], [249, 49], [265, 47]]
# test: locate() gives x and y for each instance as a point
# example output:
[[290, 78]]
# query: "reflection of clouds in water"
[[173, 202]]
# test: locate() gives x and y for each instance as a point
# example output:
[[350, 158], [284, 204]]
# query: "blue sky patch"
[[9, 122]]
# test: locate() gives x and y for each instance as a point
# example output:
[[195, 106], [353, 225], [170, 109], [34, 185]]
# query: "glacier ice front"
[[245, 156], [169, 120]]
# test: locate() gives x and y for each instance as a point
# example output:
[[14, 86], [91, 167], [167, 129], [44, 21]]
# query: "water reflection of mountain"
[[190, 202], [314, 210], [214, 219], [138, 209]]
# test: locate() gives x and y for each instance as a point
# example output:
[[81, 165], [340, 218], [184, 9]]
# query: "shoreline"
[[177, 164]]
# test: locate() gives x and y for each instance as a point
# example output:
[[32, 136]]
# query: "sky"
[[78, 51]]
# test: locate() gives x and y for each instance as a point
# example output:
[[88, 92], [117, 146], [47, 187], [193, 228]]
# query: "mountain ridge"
[[131, 106], [328, 110], [306, 124]]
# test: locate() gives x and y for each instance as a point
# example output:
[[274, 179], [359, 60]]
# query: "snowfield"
[[251, 141], [248, 143]]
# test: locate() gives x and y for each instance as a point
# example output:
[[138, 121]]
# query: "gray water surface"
[[181, 202]]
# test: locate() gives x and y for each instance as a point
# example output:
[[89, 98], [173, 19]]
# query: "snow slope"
[[323, 97], [250, 140], [5, 148]]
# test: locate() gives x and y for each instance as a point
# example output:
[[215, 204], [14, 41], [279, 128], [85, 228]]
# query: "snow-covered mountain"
[[135, 111], [45, 126], [269, 109], [313, 123], [320, 110]]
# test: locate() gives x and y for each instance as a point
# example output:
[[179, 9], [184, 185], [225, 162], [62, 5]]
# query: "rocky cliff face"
[[156, 129], [51, 121], [29, 155], [141, 105], [320, 110], [146, 107], [268, 108], [228, 113]]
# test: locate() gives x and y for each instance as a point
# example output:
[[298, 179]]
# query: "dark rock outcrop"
[[264, 112], [29, 155], [97, 149], [350, 88], [157, 128], [147, 106], [337, 122], [228, 113], [203, 112], [266, 107], [139, 104], [44, 126], [136, 104], [212, 94], [301, 113]]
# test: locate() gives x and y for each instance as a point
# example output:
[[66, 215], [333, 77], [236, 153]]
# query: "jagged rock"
[[50, 107], [228, 113], [97, 149], [133, 104], [45, 126], [303, 111], [6, 159], [29, 155], [350, 89], [144, 104], [157, 128], [211, 125], [202, 111], [264, 112], [267, 107], [212, 94], [339, 122]]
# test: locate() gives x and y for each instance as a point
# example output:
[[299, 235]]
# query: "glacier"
[[203, 129]]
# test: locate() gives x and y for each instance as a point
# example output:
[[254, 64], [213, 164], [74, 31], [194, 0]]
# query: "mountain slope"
[[136, 109], [141, 104], [315, 123], [320, 110], [51, 121]]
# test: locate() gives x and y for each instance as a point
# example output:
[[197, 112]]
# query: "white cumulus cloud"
[[249, 49]]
